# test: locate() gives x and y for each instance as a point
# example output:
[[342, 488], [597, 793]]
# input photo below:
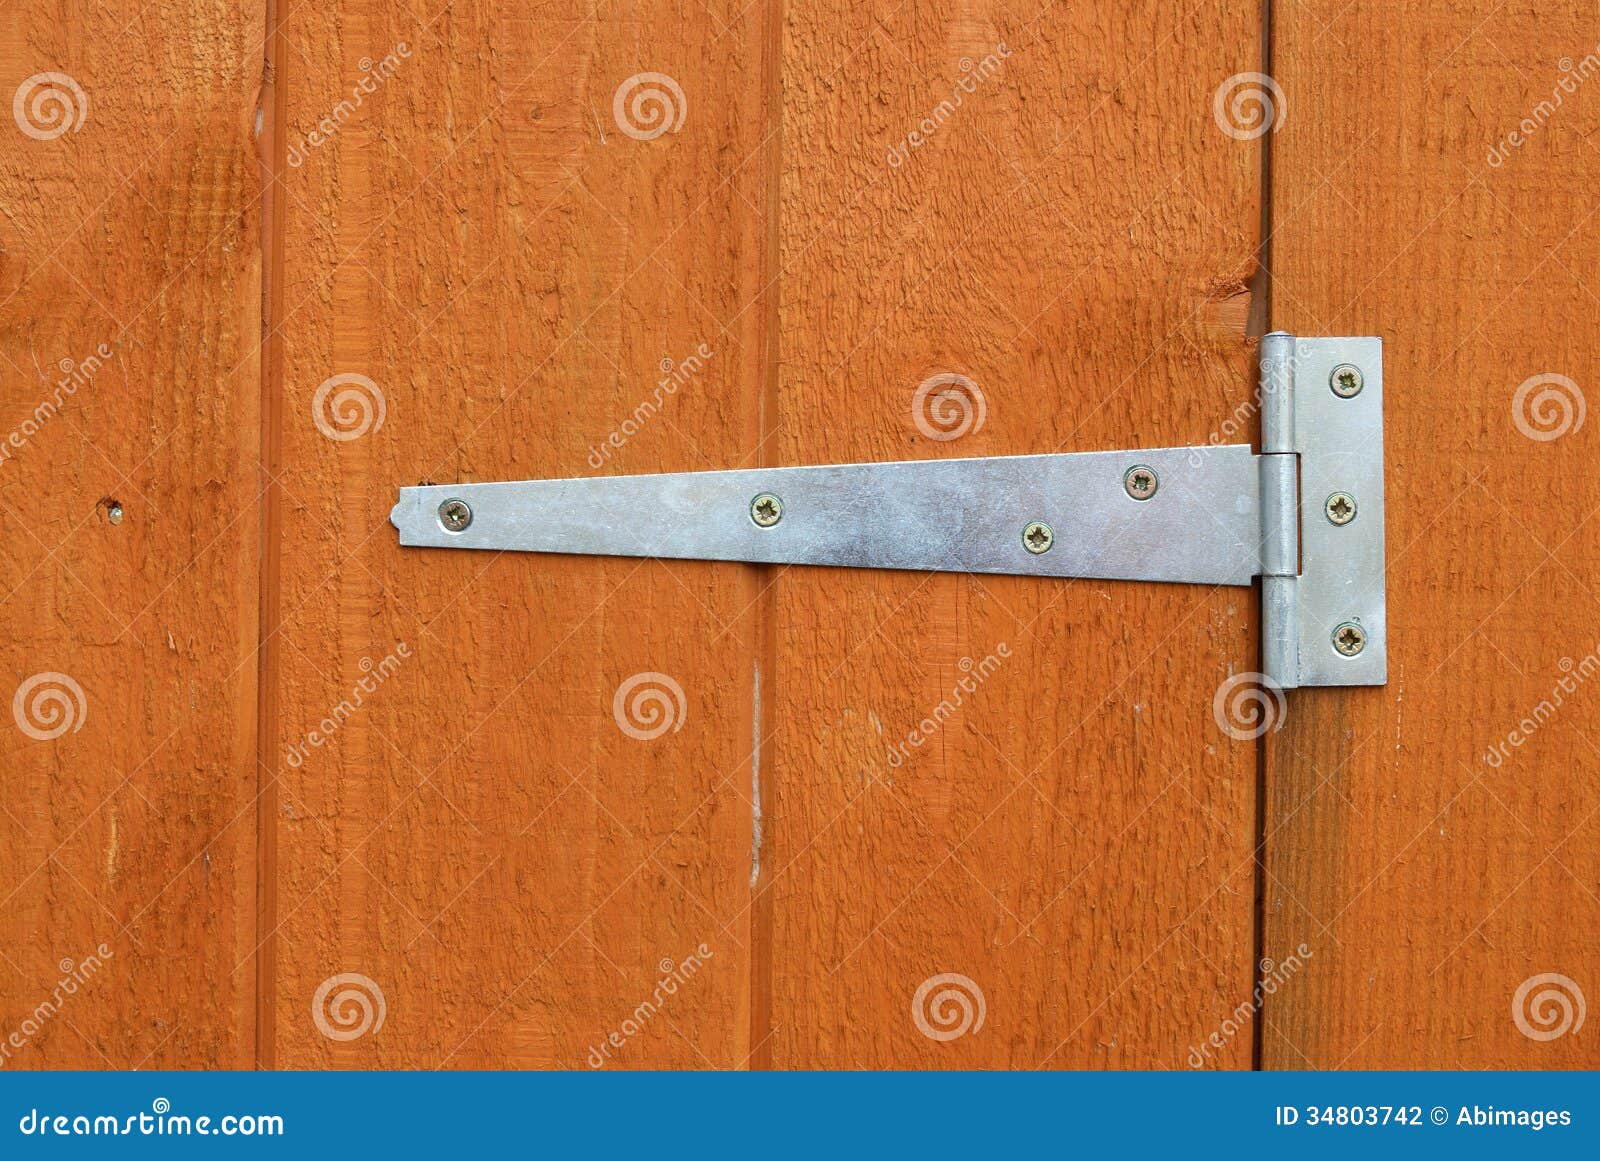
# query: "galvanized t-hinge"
[[1305, 515]]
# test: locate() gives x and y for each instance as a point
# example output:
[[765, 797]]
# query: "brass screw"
[[766, 510], [1347, 381], [1140, 482], [455, 515], [1349, 639], [1037, 537], [1340, 508]]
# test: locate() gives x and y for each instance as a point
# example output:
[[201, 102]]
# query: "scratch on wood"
[[755, 780], [112, 844]]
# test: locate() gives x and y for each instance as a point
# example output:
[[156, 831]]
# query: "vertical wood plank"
[[1036, 199], [130, 272], [528, 290], [1434, 843]]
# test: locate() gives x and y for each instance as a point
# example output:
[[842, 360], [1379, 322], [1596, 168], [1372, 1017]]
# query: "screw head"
[[114, 513], [766, 510], [1339, 508], [1141, 482], [1037, 537], [1349, 639], [454, 515], [1347, 381]]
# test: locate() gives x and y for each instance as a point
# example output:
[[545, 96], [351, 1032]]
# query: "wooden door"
[[284, 794]]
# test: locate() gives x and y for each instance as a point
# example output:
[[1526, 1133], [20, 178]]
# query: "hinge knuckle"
[[1280, 515]]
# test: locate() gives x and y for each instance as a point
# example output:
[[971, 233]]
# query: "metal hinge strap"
[[1306, 514]]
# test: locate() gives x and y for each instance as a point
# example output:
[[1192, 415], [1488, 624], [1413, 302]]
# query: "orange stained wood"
[[130, 281], [330, 802], [1435, 844], [1075, 838]]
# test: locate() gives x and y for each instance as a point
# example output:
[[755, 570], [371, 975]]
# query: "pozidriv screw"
[[1141, 482], [1349, 639], [1037, 537], [1339, 508], [766, 510], [1346, 380]]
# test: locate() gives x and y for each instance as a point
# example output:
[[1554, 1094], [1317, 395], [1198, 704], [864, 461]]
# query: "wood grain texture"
[[1071, 232], [1435, 843], [452, 810], [516, 276], [129, 381]]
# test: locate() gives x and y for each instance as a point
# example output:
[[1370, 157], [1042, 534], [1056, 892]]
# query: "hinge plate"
[[1218, 515], [1338, 437]]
